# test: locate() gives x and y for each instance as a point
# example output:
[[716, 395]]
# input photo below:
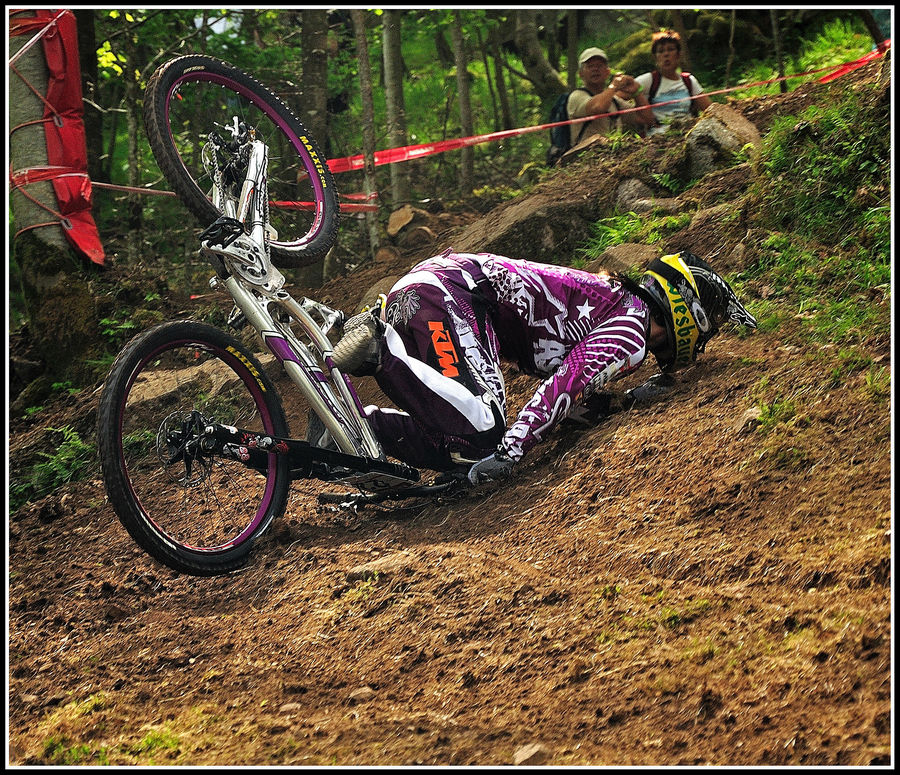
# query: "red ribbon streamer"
[[63, 126]]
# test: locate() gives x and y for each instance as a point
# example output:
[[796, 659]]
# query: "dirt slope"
[[683, 584]]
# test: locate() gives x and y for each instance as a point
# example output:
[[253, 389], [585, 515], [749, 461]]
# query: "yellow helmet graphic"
[[695, 302]]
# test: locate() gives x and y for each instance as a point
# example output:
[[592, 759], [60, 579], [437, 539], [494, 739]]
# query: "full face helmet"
[[695, 302]]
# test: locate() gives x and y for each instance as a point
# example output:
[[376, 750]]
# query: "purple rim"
[[252, 97], [267, 425]]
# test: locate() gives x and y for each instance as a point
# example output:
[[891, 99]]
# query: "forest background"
[[435, 74]]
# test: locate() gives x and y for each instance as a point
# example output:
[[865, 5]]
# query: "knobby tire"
[[185, 98], [200, 514]]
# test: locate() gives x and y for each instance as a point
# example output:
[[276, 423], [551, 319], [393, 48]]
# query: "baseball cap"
[[591, 52]]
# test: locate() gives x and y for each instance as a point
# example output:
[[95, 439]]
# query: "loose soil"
[[688, 583]]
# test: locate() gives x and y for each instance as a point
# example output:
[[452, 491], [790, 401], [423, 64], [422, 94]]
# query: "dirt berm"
[[683, 584]]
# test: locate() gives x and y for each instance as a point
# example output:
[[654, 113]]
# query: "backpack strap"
[[686, 77], [655, 78], [584, 124]]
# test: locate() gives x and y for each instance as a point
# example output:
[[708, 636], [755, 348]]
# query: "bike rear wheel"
[[196, 512], [190, 96]]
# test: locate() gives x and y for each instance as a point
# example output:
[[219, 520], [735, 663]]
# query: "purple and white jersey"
[[454, 315], [580, 331]]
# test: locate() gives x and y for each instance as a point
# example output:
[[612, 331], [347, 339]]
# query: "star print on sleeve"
[[584, 310]]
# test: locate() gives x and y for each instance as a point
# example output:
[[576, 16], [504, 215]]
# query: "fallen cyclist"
[[436, 349]]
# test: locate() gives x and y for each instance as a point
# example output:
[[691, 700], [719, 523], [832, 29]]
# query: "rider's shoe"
[[317, 434], [359, 350]]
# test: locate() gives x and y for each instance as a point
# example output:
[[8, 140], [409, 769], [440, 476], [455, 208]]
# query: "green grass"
[[827, 171], [154, 742], [631, 227], [613, 231], [877, 383]]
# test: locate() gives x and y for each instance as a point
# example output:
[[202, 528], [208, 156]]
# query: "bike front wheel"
[[194, 511], [191, 96]]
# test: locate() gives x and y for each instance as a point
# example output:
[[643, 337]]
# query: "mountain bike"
[[196, 454]]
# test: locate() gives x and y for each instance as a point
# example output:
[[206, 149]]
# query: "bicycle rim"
[[302, 202], [199, 507]]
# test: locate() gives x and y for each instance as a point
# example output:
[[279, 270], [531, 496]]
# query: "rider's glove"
[[492, 468], [652, 389], [592, 410]]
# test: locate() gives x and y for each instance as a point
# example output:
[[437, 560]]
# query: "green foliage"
[[631, 227], [826, 183], [775, 413], [59, 750], [155, 741], [877, 384], [64, 387], [613, 231], [73, 459], [117, 329], [669, 182], [831, 44], [838, 41], [833, 292], [827, 168]]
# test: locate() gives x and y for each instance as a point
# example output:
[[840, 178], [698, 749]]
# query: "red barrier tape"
[[346, 207], [20, 178], [870, 57], [408, 152]]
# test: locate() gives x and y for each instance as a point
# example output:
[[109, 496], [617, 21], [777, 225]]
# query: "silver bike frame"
[[257, 289]]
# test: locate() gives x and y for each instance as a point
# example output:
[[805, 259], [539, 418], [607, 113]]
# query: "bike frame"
[[237, 247]]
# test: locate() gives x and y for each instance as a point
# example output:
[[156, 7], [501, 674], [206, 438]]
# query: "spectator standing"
[[673, 96]]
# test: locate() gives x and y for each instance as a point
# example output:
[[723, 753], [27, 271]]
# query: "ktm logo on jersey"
[[443, 348]]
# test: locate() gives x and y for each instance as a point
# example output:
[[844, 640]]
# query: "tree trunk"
[[678, 24], [776, 38], [546, 81], [572, 49], [59, 304], [314, 43], [730, 49], [27, 146], [133, 219], [445, 54], [250, 28], [395, 104], [549, 19], [500, 80], [92, 118], [467, 157], [313, 109], [489, 80], [365, 88]]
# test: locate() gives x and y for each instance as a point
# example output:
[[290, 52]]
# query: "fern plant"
[[71, 461]]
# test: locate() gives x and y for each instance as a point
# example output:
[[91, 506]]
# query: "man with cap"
[[602, 96]]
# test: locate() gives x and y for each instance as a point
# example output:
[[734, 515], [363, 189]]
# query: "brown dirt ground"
[[676, 586]]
